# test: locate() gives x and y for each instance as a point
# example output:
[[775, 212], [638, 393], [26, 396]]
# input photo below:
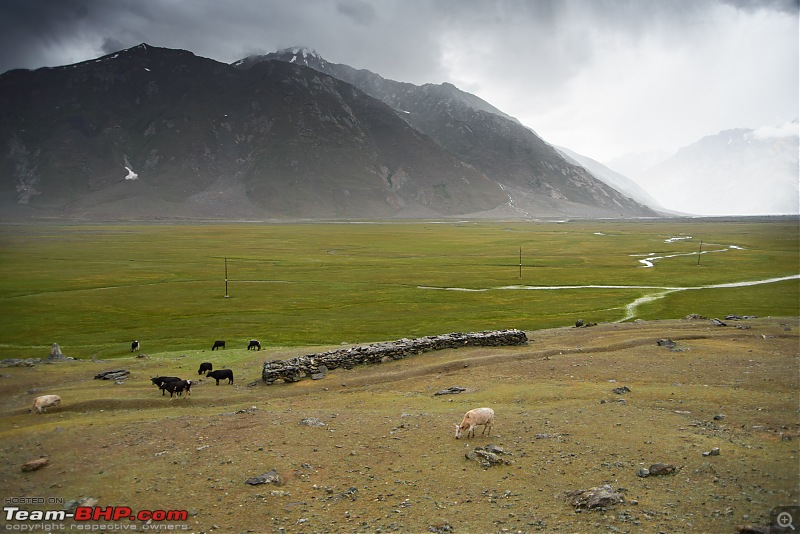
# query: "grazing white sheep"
[[473, 418], [41, 404]]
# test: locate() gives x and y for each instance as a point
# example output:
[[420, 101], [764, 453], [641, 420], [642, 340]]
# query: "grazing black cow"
[[177, 386], [254, 344], [205, 367], [161, 380], [221, 374], [217, 344], [134, 346]]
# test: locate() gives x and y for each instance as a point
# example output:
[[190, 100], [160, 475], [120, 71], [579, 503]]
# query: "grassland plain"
[[386, 459], [94, 288]]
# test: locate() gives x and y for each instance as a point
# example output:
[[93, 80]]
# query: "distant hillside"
[[160, 134], [616, 180], [538, 179], [741, 171], [207, 140]]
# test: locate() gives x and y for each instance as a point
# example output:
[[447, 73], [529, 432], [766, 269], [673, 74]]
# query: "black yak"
[[221, 374]]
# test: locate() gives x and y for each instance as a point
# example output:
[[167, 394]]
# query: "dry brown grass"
[[387, 459]]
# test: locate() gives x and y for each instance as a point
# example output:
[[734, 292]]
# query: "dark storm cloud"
[[601, 74], [359, 11], [786, 6]]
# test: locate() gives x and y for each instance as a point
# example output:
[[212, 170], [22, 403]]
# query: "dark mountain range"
[[159, 133], [538, 179]]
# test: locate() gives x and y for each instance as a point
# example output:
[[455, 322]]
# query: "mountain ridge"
[[737, 171], [152, 132]]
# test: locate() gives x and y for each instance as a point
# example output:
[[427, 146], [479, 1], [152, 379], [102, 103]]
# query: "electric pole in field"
[[700, 252], [226, 278], [520, 262]]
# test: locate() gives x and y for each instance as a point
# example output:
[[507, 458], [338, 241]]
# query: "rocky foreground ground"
[[662, 426]]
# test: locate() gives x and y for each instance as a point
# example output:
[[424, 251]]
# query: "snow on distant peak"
[[302, 55], [305, 52]]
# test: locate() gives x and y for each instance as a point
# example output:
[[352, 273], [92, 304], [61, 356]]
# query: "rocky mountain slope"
[[618, 181], [158, 133], [538, 179]]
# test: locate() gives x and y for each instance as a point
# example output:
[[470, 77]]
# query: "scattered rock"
[[666, 343], [661, 469], [118, 374], [20, 362], [695, 317], [450, 391], [598, 497], [311, 421], [55, 354], [717, 322], [712, 452], [719, 417], [270, 477], [35, 465], [621, 390], [580, 323], [488, 456]]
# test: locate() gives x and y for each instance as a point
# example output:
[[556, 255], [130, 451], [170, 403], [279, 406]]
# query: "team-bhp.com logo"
[[91, 515]]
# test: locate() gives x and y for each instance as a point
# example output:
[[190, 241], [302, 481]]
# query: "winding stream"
[[630, 309], [648, 261]]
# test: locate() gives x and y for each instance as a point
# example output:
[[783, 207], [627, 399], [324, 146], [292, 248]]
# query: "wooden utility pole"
[[226, 278], [520, 262], [700, 252]]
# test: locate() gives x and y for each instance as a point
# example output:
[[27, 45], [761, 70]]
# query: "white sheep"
[[473, 418], [41, 404]]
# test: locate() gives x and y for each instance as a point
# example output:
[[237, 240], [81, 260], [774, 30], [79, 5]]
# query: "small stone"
[[662, 469], [599, 497], [270, 477], [311, 421], [35, 465]]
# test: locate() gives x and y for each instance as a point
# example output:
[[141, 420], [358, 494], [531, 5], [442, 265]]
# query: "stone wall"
[[316, 365]]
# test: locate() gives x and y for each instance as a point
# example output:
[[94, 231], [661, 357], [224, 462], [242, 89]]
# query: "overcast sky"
[[601, 77]]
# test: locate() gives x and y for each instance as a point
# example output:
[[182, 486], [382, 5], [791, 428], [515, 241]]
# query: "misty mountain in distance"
[[537, 178], [734, 172], [616, 180], [156, 133], [635, 163]]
